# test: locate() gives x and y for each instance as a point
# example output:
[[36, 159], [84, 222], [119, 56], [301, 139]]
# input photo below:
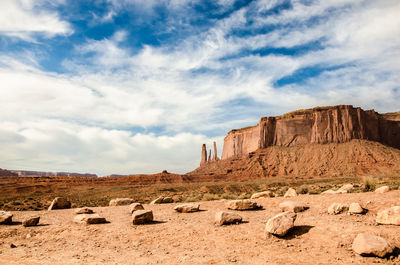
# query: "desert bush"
[[210, 197], [303, 189], [228, 196], [369, 184]]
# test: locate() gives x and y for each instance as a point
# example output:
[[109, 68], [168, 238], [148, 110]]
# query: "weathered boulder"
[[290, 193], [345, 188], [187, 208], [226, 218], [280, 224], [337, 208], [31, 221], [135, 206], [5, 218], [60, 203], [121, 201], [89, 219], [84, 210], [142, 217], [329, 192], [161, 199], [355, 208], [291, 206], [367, 245], [389, 216], [382, 189], [262, 194], [242, 205]]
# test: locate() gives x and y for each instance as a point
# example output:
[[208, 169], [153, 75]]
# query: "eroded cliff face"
[[321, 125]]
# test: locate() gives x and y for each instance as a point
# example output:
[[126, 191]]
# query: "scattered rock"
[[382, 189], [32, 221], [262, 194], [142, 217], [5, 218], [60, 203], [187, 208], [84, 210], [12, 245], [290, 193], [367, 245], [135, 206], [345, 188], [389, 216], [160, 200], [89, 219], [291, 206], [242, 205], [337, 208], [121, 201], [355, 208], [280, 224], [226, 218]]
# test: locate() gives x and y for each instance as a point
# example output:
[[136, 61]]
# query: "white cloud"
[[25, 18]]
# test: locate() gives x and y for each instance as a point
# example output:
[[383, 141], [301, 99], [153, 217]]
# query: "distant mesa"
[[7, 173], [322, 141], [27, 173]]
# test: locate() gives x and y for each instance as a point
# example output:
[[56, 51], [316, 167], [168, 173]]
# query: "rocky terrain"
[[192, 238]]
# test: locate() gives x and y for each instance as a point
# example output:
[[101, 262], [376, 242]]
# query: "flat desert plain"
[[192, 238]]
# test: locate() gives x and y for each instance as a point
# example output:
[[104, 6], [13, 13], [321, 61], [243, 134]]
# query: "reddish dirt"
[[354, 158], [318, 238]]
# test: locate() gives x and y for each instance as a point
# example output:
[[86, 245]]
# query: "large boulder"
[[161, 199], [367, 245], [382, 189], [84, 210], [292, 206], [345, 188], [89, 219], [226, 218], [5, 218], [355, 208], [121, 201], [262, 194], [389, 216], [187, 208], [31, 221], [290, 193], [242, 205], [60, 203], [135, 206], [337, 208], [142, 217], [280, 224]]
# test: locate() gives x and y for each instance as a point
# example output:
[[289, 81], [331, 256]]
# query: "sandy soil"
[[192, 238]]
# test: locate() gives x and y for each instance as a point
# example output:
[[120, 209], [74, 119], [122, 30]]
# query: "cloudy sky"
[[136, 86]]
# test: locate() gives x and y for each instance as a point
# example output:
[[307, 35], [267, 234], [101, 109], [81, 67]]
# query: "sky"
[[137, 86]]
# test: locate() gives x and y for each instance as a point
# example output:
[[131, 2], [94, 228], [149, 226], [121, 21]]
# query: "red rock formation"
[[215, 157], [203, 155], [321, 125]]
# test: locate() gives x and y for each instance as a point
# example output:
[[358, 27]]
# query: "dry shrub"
[[210, 197], [369, 184]]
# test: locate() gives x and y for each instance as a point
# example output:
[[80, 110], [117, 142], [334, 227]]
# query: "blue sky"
[[132, 86]]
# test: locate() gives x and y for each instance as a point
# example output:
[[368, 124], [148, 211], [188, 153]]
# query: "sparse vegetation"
[[369, 184]]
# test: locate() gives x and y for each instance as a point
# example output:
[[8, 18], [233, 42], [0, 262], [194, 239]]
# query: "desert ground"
[[192, 238]]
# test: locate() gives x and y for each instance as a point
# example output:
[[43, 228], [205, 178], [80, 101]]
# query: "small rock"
[[5, 218], [226, 218], [32, 221], [60, 203], [262, 194], [329, 192], [121, 201], [367, 245], [84, 210], [345, 188], [280, 224], [382, 189], [161, 199], [12, 245], [187, 208], [291, 206], [290, 193], [142, 217], [389, 216], [89, 219], [355, 208], [135, 206], [337, 208], [242, 205]]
